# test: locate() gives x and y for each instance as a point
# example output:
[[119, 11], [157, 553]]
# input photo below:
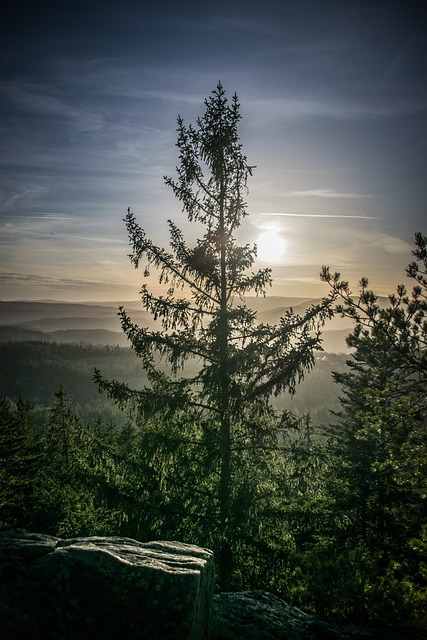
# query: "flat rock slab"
[[103, 587]]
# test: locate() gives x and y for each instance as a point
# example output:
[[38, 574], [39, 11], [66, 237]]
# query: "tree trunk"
[[225, 556]]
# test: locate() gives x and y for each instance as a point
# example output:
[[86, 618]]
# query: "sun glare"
[[271, 246]]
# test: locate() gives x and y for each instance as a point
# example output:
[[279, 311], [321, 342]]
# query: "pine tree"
[[380, 437], [19, 463], [203, 314], [61, 435], [62, 491]]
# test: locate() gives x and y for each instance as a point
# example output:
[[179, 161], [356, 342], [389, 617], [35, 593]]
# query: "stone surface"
[[103, 588], [263, 616], [260, 615]]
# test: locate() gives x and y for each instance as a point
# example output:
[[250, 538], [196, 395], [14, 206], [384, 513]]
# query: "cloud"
[[42, 99], [9, 277], [25, 194], [61, 228], [336, 108], [391, 244], [169, 96], [319, 215], [327, 193]]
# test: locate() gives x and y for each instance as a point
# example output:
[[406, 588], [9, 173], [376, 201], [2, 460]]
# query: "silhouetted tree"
[[380, 438], [241, 363]]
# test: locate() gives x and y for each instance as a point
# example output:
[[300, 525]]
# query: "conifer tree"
[[379, 439], [203, 314], [19, 462]]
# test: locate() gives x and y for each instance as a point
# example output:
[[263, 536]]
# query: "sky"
[[334, 105]]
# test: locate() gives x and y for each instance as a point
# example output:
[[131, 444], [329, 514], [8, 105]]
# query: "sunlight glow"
[[271, 246]]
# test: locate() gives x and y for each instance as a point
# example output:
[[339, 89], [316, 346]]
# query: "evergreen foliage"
[[19, 462], [380, 442]]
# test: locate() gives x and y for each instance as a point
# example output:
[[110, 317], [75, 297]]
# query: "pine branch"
[[296, 361], [190, 201], [157, 256], [178, 345], [207, 192], [172, 311]]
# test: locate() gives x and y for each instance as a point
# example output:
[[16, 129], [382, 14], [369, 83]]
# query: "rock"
[[103, 588], [263, 616]]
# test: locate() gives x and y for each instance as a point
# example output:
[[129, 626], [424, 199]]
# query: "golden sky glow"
[[271, 245]]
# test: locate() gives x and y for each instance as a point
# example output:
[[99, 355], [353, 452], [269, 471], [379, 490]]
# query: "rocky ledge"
[[116, 588], [103, 588], [259, 615]]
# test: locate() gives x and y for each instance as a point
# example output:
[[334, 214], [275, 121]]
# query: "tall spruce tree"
[[203, 314]]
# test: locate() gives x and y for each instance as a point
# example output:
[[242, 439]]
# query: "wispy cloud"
[[170, 96], [44, 100], [317, 215], [43, 280], [327, 193], [27, 193], [61, 228], [389, 244], [290, 107]]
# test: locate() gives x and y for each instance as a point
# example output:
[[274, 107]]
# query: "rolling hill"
[[99, 324]]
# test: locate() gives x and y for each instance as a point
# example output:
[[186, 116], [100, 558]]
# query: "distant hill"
[[99, 323], [18, 312], [89, 336], [35, 370], [263, 305], [109, 323], [20, 334], [52, 316], [75, 336], [334, 341], [254, 302], [273, 314]]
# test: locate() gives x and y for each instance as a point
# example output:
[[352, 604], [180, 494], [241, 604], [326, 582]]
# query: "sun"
[[271, 246]]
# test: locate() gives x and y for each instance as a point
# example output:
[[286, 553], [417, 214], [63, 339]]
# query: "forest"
[[304, 470]]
